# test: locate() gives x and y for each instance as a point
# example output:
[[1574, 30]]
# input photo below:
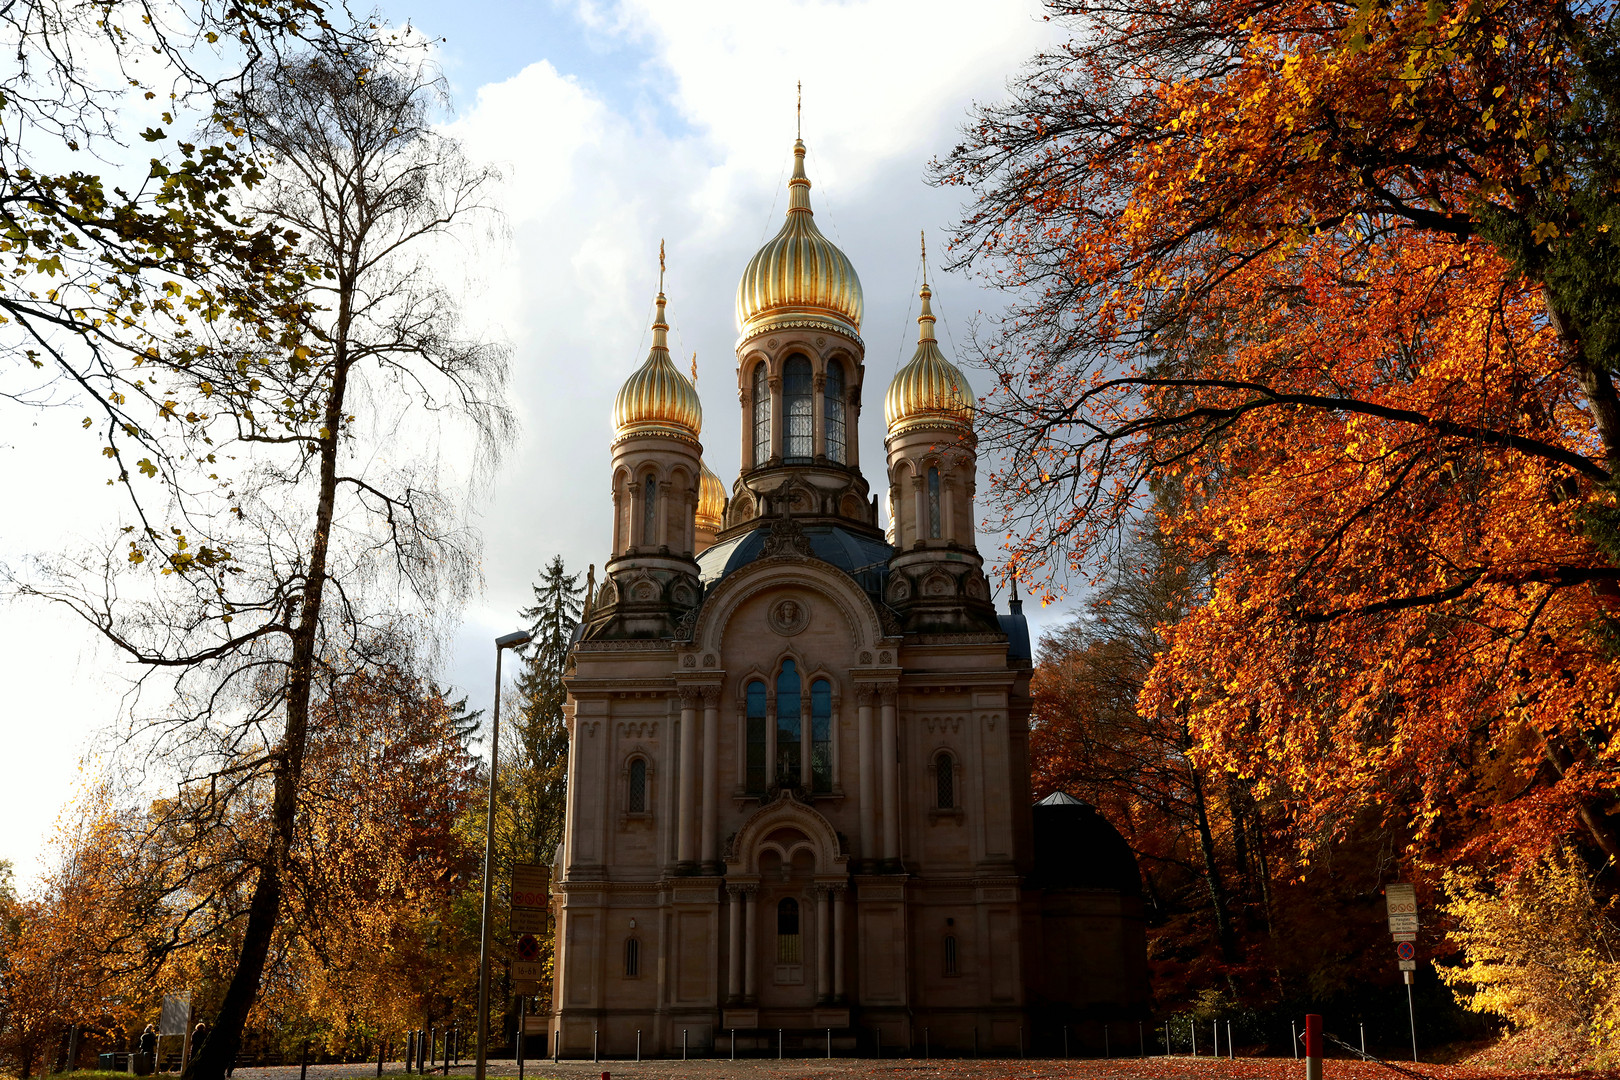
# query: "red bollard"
[[1313, 1047], [605, 1076]]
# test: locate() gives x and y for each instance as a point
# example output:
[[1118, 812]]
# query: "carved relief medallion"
[[787, 617]]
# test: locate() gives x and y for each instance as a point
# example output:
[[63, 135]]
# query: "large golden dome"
[[799, 278], [929, 392], [657, 399], [711, 500]]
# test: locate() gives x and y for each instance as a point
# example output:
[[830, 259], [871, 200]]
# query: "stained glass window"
[[821, 735], [638, 786], [798, 409], [762, 417], [787, 721], [833, 408], [756, 737], [933, 503]]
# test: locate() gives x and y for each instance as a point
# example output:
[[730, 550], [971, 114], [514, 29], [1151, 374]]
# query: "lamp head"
[[514, 640]]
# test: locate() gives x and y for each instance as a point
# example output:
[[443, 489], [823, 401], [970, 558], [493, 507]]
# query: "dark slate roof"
[[1016, 627], [1076, 848], [861, 557]]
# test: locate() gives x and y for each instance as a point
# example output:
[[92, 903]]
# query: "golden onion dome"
[[929, 392], [799, 278], [711, 500], [657, 399]]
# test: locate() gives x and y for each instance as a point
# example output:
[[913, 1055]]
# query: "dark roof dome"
[[864, 558], [1076, 848]]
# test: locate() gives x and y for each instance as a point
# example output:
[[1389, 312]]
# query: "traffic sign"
[[1401, 899], [526, 971], [531, 897], [1405, 951], [528, 947], [1408, 965]]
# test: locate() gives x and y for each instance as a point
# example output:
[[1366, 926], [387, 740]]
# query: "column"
[[750, 943], [823, 945], [852, 414], [686, 818], [775, 383], [866, 697], [711, 774], [947, 509], [818, 413], [891, 777], [734, 980], [746, 399], [919, 488], [838, 944], [661, 517], [770, 734]]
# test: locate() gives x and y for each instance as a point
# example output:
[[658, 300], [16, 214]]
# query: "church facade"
[[798, 789]]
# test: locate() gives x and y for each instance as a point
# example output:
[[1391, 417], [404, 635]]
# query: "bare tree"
[[331, 531]]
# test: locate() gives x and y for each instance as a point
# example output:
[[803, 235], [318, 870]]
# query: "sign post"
[[531, 904], [1401, 899]]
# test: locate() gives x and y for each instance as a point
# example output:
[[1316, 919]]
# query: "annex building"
[[798, 789]]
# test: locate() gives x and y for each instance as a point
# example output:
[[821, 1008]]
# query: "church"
[[798, 776]]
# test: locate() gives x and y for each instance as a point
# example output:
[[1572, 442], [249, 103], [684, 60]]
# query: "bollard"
[[1313, 1046], [1229, 1040], [556, 1045], [638, 1044], [1065, 1040], [778, 1044], [1167, 1038], [432, 1049], [1293, 1029], [595, 1052], [1020, 1042], [879, 1033], [523, 1029], [975, 1040], [1107, 1050], [1215, 1034], [1192, 1036], [925, 1044], [1363, 1028], [733, 1044], [1141, 1041], [829, 1044], [683, 1044]]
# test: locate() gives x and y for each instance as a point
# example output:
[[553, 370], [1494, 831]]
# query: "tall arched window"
[[636, 803], [756, 737], [945, 781], [798, 410], [789, 948], [762, 417], [833, 410], [933, 503], [787, 721], [649, 511], [821, 735], [632, 958]]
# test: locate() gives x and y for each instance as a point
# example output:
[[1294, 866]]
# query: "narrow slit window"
[[788, 722], [762, 417], [789, 945], [833, 410], [950, 954], [945, 782], [821, 735], [632, 958], [756, 737], [638, 786], [798, 409], [933, 503]]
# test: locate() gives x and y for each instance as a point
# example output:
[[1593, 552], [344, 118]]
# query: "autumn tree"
[[333, 532], [1340, 272]]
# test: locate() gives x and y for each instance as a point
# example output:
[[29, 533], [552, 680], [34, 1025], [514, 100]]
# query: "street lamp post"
[[506, 641]]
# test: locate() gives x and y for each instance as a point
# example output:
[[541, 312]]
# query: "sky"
[[615, 124]]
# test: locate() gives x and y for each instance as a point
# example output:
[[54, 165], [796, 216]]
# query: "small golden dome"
[[711, 500], [929, 392], [657, 399], [799, 278]]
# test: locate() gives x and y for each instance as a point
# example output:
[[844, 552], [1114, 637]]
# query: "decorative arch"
[[766, 575], [769, 828]]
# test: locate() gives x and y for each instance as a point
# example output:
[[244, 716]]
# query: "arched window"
[[821, 735], [632, 958], [797, 410], [637, 800], [933, 503], [944, 782], [756, 737], [787, 722], [789, 948], [649, 510], [833, 410], [762, 417], [950, 954]]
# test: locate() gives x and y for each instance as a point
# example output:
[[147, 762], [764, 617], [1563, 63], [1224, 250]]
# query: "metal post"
[[432, 1049], [1065, 1040], [1192, 1032], [596, 1054], [523, 1024], [1107, 1050], [925, 1042], [556, 1045], [1363, 1027], [733, 1044], [638, 1047], [506, 641], [1293, 1029], [829, 1044], [683, 1043], [1141, 1041], [779, 1044], [1229, 1040], [1215, 1033], [1020, 1042], [1313, 1046], [975, 1038], [1411, 1014], [1167, 1038]]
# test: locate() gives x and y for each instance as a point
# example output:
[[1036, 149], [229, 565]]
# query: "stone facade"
[[798, 792]]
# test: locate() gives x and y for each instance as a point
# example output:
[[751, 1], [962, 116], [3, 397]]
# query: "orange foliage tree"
[[1343, 274]]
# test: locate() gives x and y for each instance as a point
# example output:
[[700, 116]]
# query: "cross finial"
[[660, 264], [923, 235], [694, 369], [798, 114]]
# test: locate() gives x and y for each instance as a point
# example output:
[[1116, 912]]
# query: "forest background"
[[1308, 365]]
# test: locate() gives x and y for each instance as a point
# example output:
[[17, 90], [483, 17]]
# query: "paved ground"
[[1156, 1068]]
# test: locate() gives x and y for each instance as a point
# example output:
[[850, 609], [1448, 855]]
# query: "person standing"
[[145, 1064]]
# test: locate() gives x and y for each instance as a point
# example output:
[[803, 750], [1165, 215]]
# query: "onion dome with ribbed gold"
[[799, 278], [711, 500], [657, 399], [929, 392]]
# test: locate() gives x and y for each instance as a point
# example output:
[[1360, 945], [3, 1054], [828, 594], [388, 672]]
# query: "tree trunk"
[[1212, 871]]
